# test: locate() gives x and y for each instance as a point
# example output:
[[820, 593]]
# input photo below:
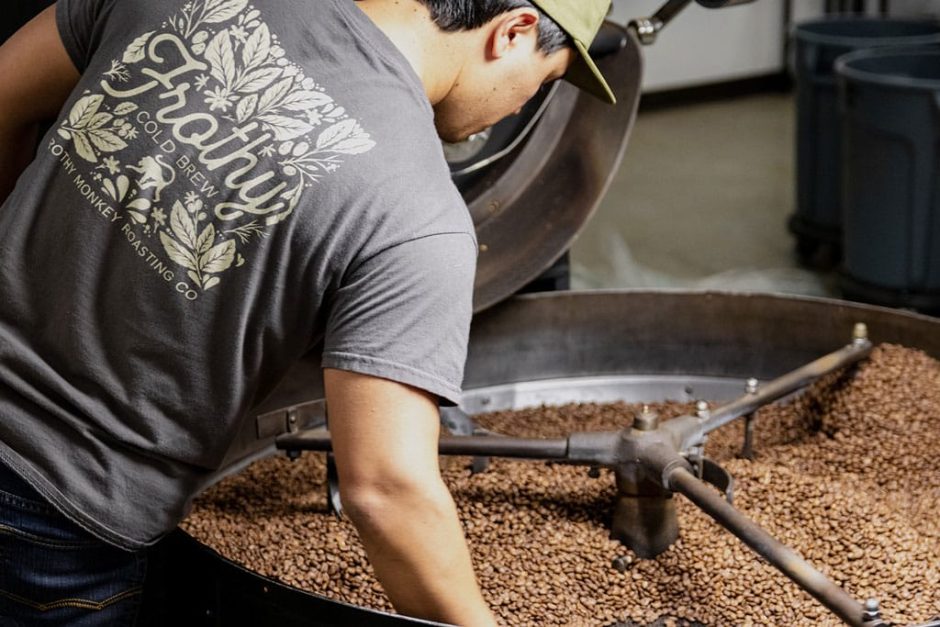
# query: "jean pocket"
[[36, 505], [54, 579]]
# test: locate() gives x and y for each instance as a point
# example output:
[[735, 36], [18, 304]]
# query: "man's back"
[[228, 187]]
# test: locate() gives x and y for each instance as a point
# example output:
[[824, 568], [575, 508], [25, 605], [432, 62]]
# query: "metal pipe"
[[669, 11], [785, 559], [788, 383], [496, 446]]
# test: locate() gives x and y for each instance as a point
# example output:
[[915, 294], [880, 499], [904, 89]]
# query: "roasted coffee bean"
[[846, 474]]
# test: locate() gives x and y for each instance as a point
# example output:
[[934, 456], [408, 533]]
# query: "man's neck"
[[435, 56]]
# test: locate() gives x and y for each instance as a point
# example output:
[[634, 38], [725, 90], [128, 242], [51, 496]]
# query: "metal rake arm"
[[497, 446]]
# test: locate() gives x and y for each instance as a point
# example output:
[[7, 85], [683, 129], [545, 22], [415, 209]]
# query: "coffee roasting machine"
[[531, 182]]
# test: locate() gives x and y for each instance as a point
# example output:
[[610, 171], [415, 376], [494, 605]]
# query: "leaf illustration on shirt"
[[257, 47], [84, 110], [83, 147], [125, 108], [177, 253], [136, 51], [183, 226], [257, 80], [273, 96], [345, 137], [303, 100], [98, 120], [246, 108], [218, 258], [221, 58], [217, 11], [106, 141], [204, 243], [85, 127], [197, 253], [285, 128]]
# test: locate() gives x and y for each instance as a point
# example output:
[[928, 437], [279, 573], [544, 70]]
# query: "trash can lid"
[[861, 32], [903, 67]]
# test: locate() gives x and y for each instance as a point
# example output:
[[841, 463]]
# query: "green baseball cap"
[[581, 19]]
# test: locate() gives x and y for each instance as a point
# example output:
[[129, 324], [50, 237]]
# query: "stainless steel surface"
[[694, 334], [603, 389], [553, 347]]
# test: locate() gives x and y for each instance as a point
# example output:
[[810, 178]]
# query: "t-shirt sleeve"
[[404, 314], [81, 23]]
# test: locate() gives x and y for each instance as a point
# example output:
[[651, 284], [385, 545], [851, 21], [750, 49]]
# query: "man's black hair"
[[456, 15]]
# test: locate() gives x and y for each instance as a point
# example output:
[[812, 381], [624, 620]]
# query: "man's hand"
[[385, 438], [36, 77]]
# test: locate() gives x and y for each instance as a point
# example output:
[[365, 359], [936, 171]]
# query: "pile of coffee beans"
[[846, 474]]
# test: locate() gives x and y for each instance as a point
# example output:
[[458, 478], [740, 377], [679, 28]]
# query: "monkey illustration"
[[154, 173]]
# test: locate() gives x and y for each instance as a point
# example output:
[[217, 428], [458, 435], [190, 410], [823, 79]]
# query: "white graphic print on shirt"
[[233, 111]]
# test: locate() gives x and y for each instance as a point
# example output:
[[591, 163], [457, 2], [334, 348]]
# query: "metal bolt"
[[701, 409], [752, 386], [646, 420], [594, 472], [872, 610], [646, 30], [621, 564], [860, 332]]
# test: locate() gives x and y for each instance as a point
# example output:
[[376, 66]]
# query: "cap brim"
[[584, 74]]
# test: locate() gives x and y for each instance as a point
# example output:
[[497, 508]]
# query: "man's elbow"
[[383, 500]]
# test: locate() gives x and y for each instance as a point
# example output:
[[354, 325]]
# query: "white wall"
[[705, 46], [919, 8], [807, 10]]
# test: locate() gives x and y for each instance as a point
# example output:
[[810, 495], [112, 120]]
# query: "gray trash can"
[[890, 102], [817, 220]]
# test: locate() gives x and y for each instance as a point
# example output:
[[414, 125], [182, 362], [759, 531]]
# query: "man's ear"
[[509, 30]]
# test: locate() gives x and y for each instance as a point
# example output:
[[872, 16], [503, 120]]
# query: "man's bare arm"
[[36, 77], [385, 439]]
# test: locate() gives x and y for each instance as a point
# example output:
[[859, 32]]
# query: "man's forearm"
[[17, 148], [417, 548], [385, 437]]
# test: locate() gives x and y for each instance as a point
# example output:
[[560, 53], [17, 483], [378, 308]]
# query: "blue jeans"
[[52, 572]]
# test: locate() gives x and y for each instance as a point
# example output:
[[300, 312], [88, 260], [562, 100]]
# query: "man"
[[227, 187]]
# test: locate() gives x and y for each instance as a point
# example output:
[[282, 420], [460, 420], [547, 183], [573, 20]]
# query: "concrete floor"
[[701, 202]]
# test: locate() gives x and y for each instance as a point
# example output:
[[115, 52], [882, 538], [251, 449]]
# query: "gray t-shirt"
[[230, 186]]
